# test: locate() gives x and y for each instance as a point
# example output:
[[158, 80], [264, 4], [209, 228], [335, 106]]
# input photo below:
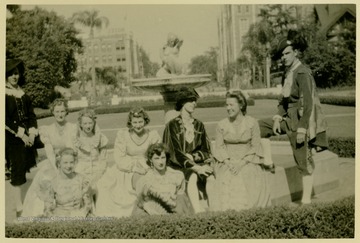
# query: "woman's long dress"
[[116, 195], [68, 197], [162, 194], [91, 155], [240, 142], [54, 139]]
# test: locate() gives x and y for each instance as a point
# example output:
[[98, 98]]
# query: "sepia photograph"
[[179, 120]]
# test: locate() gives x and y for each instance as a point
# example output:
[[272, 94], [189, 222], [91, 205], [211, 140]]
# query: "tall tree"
[[47, 44], [274, 22], [205, 64], [92, 20], [150, 68]]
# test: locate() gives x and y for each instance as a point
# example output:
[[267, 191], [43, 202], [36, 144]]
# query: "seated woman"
[[241, 180], [162, 189], [67, 195], [91, 146], [58, 135], [189, 148], [116, 193]]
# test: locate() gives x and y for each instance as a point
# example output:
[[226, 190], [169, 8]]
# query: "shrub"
[[342, 146], [318, 220]]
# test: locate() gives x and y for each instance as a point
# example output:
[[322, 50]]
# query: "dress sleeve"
[[123, 161], [48, 197], [202, 152], [255, 151], [103, 141], [172, 139], [221, 153], [155, 137], [181, 184], [143, 185], [44, 132], [32, 122], [305, 87]]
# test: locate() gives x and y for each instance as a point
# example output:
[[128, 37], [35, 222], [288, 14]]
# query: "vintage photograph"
[[179, 121]]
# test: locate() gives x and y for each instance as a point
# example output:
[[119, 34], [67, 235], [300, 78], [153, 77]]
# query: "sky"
[[151, 23]]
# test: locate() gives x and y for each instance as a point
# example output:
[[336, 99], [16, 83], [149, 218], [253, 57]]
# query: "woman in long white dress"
[[241, 179], [56, 136], [116, 193]]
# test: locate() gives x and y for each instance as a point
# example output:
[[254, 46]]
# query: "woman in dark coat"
[[189, 147], [21, 130]]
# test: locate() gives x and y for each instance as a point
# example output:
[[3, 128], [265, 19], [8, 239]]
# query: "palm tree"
[[92, 20]]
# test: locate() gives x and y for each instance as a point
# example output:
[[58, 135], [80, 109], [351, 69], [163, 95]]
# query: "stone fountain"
[[171, 76], [168, 87]]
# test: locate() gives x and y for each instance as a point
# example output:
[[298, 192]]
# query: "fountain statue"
[[169, 55], [171, 76]]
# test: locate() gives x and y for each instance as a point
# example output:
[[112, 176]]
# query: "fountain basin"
[[171, 82]]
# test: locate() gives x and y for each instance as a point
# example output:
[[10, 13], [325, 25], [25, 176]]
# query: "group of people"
[[150, 174]]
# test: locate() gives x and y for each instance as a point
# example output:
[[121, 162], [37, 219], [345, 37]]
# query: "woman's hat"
[[11, 64], [183, 95]]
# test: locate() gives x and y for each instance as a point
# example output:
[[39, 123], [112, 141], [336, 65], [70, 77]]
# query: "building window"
[[104, 59], [110, 58], [247, 9], [123, 48], [96, 60], [244, 25], [124, 59], [239, 8], [109, 48], [118, 59]]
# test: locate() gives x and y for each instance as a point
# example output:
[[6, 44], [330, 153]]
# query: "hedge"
[[342, 146], [315, 221], [149, 106], [324, 99]]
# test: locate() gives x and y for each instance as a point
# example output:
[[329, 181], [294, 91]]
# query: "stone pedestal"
[[286, 183]]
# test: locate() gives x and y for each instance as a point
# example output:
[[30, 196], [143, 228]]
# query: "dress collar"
[[17, 92]]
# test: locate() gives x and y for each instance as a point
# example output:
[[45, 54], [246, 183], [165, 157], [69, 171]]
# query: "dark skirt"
[[20, 159]]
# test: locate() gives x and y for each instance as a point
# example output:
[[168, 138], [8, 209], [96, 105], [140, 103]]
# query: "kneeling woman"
[[162, 189], [68, 193]]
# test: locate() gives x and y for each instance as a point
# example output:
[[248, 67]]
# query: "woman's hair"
[[137, 112], [62, 152], [58, 102], [157, 149], [87, 113], [240, 97], [185, 95]]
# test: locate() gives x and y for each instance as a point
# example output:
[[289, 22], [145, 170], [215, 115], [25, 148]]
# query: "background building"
[[117, 49], [233, 24]]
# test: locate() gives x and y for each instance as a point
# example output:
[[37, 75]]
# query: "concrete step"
[[286, 183]]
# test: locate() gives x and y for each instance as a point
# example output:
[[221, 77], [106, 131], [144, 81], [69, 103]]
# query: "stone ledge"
[[286, 183]]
